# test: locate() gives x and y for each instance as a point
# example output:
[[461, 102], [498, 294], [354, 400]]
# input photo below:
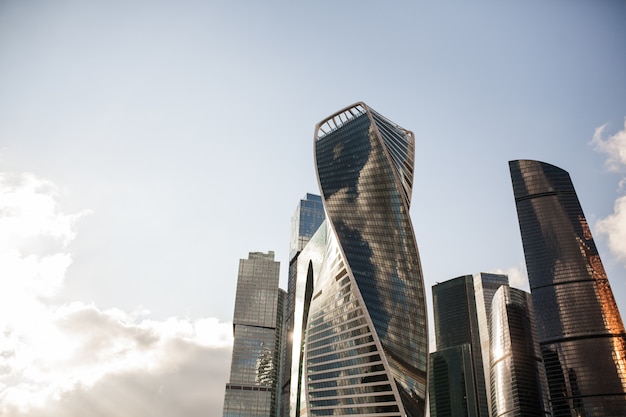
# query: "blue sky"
[[147, 146]]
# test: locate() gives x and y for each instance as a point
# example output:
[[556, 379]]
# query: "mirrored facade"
[[518, 382], [360, 297], [452, 385], [457, 325], [306, 220], [308, 265], [485, 286], [253, 390], [579, 327]]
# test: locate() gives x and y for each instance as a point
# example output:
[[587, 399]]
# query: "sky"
[[147, 146]]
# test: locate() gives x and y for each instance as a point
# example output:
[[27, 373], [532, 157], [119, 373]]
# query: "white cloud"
[[518, 277], [614, 225], [614, 146], [76, 359], [29, 213]]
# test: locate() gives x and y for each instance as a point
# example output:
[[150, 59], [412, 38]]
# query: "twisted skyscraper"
[[580, 330], [364, 341]]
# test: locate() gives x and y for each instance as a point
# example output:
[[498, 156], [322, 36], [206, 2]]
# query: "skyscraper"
[[307, 218], [253, 389], [452, 385], [457, 373], [361, 297], [485, 286], [580, 330], [308, 264], [518, 382]]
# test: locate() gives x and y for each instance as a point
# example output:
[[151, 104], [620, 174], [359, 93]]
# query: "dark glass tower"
[[257, 324], [365, 348], [451, 380], [518, 385], [457, 335], [579, 327]]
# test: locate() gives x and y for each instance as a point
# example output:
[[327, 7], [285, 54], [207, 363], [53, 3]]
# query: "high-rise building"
[[452, 385], [253, 390], [363, 338], [485, 286], [487, 361], [518, 382], [457, 365], [580, 330], [307, 218], [307, 265]]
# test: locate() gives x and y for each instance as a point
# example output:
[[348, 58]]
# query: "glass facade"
[[308, 265], [485, 286], [306, 220], [580, 330], [518, 382], [452, 382], [364, 328], [456, 324], [257, 345]]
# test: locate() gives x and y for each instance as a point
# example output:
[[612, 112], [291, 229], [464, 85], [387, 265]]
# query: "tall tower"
[[485, 286], [253, 389], [518, 382], [365, 349], [580, 330], [307, 265], [307, 218], [457, 373]]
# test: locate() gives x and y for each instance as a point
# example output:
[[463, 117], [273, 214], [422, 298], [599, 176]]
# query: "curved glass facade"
[[580, 330], [485, 286], [306, 221], [518, 386], [366, 341]]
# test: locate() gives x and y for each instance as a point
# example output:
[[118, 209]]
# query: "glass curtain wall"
[[580, 330]]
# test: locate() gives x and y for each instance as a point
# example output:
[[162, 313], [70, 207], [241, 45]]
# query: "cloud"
[[518, 277], [614, 146], [112, 364], [75, 359], [614, 225], [33, 237]]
